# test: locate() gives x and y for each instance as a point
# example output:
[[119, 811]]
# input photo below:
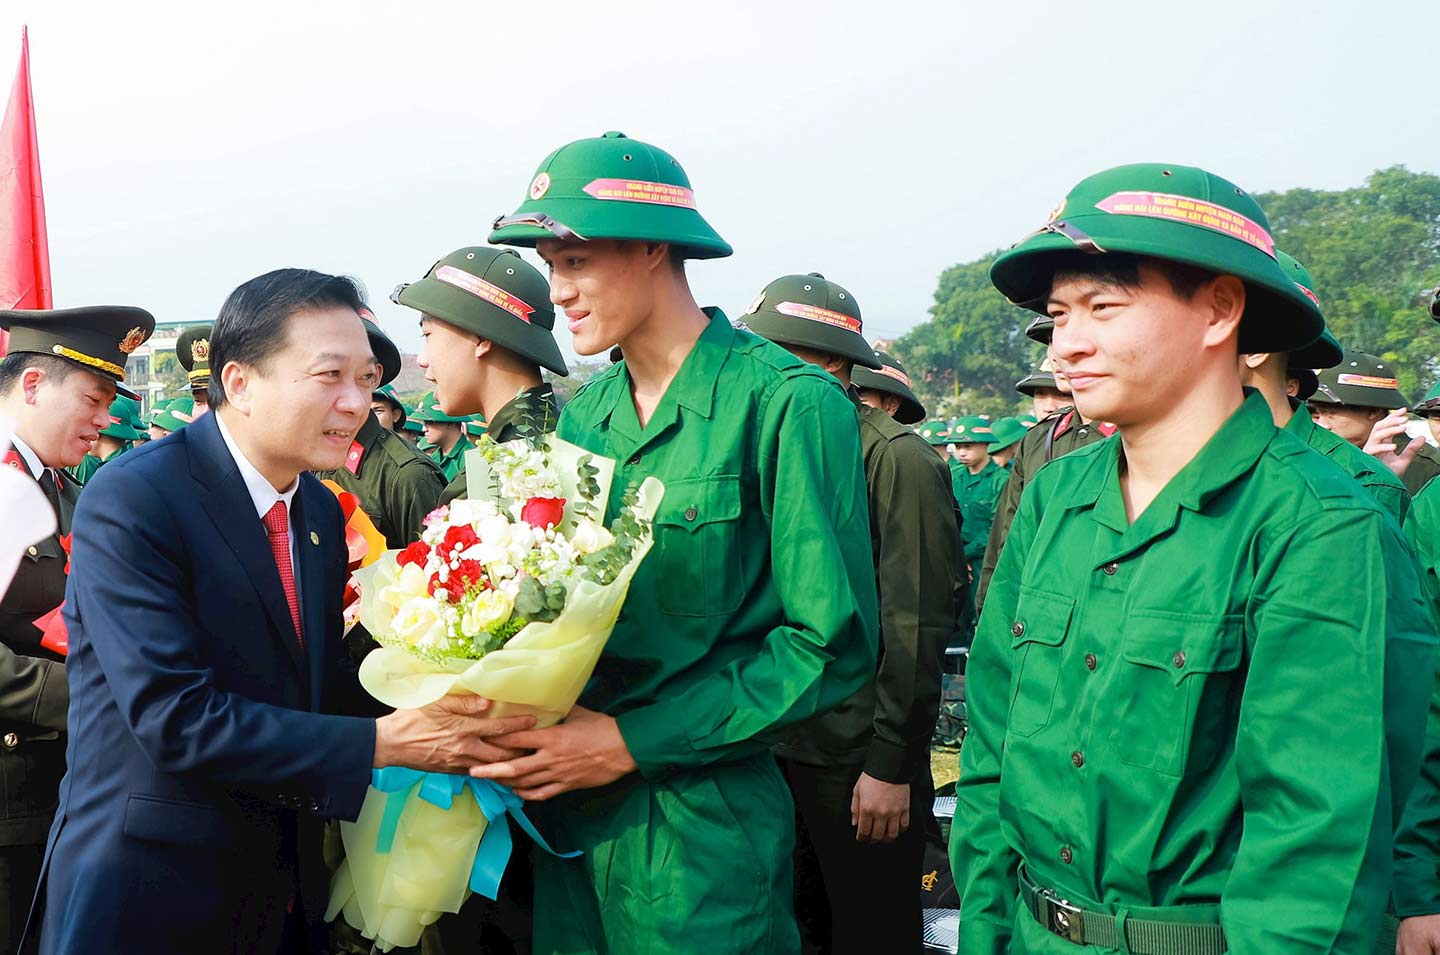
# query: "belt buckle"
[[1063, 919]]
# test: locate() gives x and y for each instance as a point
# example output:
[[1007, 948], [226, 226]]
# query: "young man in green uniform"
[[888, 388], [1288, 380], [114, 439], [1163, 633], [488, 326], [1356, 394], [64, 368], [388, 409], [754, 611], [977, 488], [1418, 461], [192, 350], [860, 774], [1008, 433], [396, 485], [1046, 398], [445, 433]]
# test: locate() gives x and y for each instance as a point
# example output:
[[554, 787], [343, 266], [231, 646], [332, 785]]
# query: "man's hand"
[[448, 736], [1419, 935], [879, 811], [1381, 443], [583, 752]]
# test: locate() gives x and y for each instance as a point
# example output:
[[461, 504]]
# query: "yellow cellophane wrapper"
[[540, 671]]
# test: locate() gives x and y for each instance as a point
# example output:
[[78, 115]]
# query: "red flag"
[[24, 250]]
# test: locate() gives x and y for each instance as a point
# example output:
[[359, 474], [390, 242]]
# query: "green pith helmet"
[[972, 430], [1429, 406], [192, 350], [935, 432], [1028, 420], [125, 423], [176, 414], [1360, 381], [1041, 376], [812, 312], [476, 427], [611, 187], [1007, 431], [492, 293], [1323, 352], [387, 393], [412, 423], [386, 351], [1041, 329], [428, 412], [1171, 212], [95, 338], [891, 378]]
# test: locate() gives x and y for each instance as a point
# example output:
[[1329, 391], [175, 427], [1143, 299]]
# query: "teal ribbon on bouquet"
[[440, 789]]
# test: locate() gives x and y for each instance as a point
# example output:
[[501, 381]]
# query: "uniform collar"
[[694, 384], [529, 399], [461, 446], [31, 459], [1300, 423], [262, 493], [1071, 419], [1230, 452]]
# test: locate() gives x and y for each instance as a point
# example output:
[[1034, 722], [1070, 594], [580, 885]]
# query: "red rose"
[[543, 511], [416, 553], [458, 538], [469, 573]]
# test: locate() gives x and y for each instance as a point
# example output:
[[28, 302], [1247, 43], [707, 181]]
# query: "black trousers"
[[849, 896], [19, 875]]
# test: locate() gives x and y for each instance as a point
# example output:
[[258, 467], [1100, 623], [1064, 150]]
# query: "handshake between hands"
[[455, 735]]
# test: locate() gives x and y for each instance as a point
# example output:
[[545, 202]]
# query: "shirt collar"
[[1300, 423], [262, 492], [31, 459], [694, 384]]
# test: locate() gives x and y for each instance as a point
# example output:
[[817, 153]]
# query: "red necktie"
[[277, 523]]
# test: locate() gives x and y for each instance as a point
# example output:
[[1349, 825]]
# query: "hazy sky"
[[187, 148]]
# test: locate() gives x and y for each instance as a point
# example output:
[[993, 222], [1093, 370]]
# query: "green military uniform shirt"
[[1057, 435], [886, 724], [980, 493], [538, 402], [1161, 688], [397, 485], [1373, 475], [85, 470], [453, 464], [755, 610], [1425, 466]]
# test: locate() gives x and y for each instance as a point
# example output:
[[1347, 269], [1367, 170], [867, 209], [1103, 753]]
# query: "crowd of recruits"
[[1175, 619]]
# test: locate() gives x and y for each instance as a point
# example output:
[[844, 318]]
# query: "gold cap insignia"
[[133, 339], [1057, 212], [200, 349]]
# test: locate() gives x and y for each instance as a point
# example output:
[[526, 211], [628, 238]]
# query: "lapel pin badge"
[[315, 538]]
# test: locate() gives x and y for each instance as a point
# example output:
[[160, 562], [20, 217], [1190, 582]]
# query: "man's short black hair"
[[1122, 270], [15, 363], [253, 321]]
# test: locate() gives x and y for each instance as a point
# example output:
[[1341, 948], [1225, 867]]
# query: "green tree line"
[[1372, 250]]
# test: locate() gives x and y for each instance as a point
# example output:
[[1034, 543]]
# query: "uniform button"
[[314, 806], [1178, 659], [11, 740], [1110, 568], [691, 513], [31, 550], [634, 460], [1017, 629], [1090, 661], [1066, 856], [1077, 759]]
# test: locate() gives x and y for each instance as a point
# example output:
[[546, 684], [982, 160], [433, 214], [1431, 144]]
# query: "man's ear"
[[30, 381], [1225, 299], [657, 254], [482, 348], [890, 403], [237, 379], [1253, 360]]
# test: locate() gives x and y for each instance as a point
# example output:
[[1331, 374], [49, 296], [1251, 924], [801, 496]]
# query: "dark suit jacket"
[[199, 756]]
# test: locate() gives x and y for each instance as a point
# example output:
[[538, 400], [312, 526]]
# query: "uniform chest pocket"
[[697, 546], [1177, 691], [1037, 635]]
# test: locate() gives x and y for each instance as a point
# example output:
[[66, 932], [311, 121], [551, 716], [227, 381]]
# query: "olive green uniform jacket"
[[397, 485], [1425, 466], [886, 725], [1161, 688], [34, 695], [755, 610], [1057, 435], [537, 403]]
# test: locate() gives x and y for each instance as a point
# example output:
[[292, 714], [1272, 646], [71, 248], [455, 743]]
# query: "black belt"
[[1142, 936]]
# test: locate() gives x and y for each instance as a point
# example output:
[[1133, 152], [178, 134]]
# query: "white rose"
[[418, 624], [590, 537], [488, 610], [410, 583]]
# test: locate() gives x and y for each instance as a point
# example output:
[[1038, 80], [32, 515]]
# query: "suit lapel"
[[312, 584], [232, 511]]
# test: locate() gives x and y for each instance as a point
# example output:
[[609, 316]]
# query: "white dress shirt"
[[263, 494]]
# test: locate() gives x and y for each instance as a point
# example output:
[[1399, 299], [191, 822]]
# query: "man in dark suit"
[[205, 744], [63, 370]]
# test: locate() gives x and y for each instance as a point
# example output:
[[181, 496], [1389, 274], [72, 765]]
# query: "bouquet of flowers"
[[510, 594]]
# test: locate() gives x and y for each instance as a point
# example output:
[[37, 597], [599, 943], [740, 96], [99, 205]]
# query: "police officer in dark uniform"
[[71, 363], [488, 325], [397, 485], [860, 775], [192, 350]]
